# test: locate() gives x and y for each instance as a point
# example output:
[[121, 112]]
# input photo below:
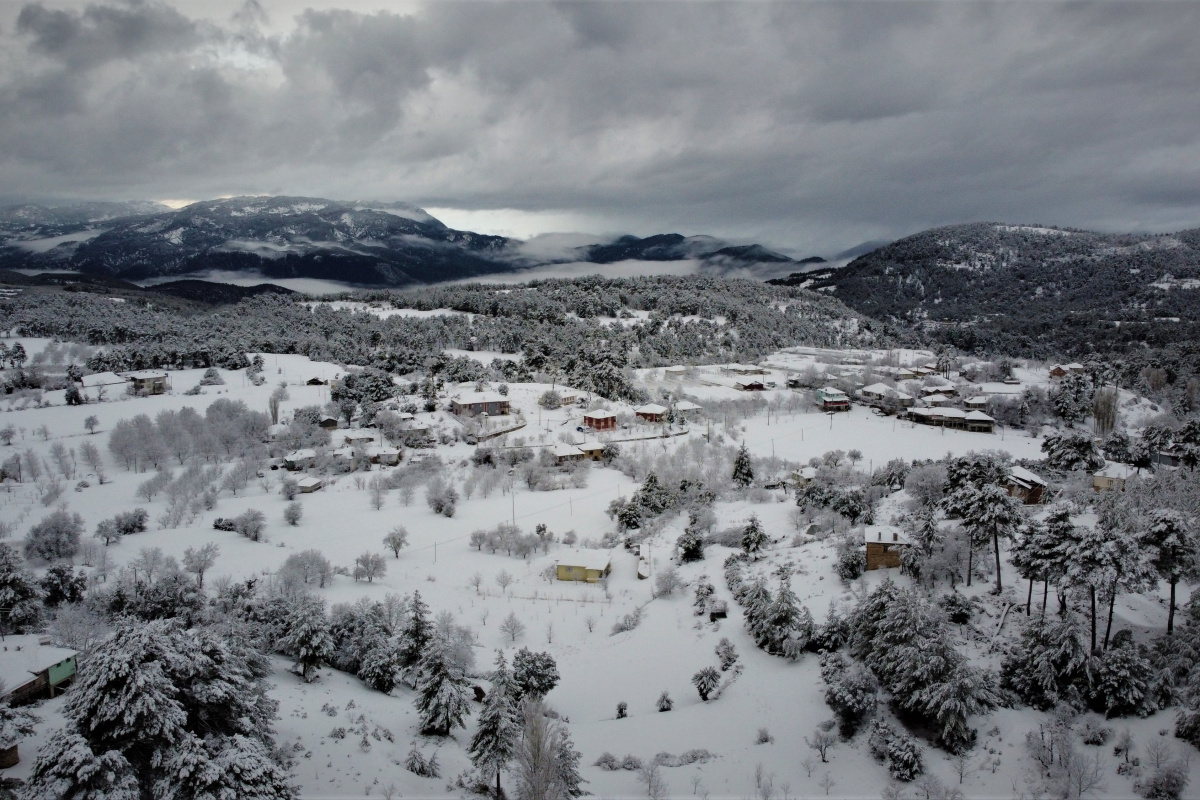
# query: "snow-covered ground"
[[571, 621]]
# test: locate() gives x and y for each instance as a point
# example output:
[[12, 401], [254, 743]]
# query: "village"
[[459, 467]]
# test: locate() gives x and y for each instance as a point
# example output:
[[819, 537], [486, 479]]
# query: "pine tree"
[[1122, 681], [495, 739], [534, 674], [691, 546], [706, 682], [754, 539], [381, 664], [442, 701], [306, 637], [415, 633], [1176, 552], [15, 724], [743, 469], [756, 604], [566, 762], [20, 595], [68, 768], [988, 512]]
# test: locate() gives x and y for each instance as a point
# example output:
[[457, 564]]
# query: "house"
[[804, 476], [570, 397], [275, 431], [936, 399], [600, 420], [749, 385], [904, 374], [1112, 477], [1075, 368], [101, 380], [676, 372], [885, 544], [832, 399], [1167, 457], [687, 407], [954, 417], [300, 459], [977, 403], [1058, 371], [743, 369], [564, 453], [979, 422], [584, 565], [31, 668], [359, 437], [148, 381], [878, 394], [1025, 485], [309, 484], [651, 412], [328, 422], [593, 449], [381, 454], [315, 382], [472, 403]]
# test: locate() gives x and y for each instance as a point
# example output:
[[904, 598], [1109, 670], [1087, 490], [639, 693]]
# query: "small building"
[[300, 459], [570, 397], [977, 403], [309, 484], [381, 454], [471, 404], [102, 380], [359, 437], [1058, 371], [564, 453], [600, 420], [651, 412], [717, 609], [749, 385], [148, 381], [904, 374], [832, 399], [979, 422], [1025, 485], [880, 394], [936, 399], [687, 408], [315, 382], [954, 417], [675, 373], [31, 668], [743, 369], [885, 544], [328, 422], [584, 565], [1112, 477], [275, 431], [593, 449], [804, 476]]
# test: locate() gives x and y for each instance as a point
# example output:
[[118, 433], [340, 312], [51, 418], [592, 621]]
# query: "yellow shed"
[[584, 565]]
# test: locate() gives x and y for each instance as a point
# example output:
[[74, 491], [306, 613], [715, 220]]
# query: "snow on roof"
[[102, 379], [23, 657], [1115, 470], [1074, 365], [977, 416], [979, 398], [936, 398], [687, 405], [955, 413], [359, 436], [650, 408], [605, 414], [830, 391], [808, 473], [888, 534], [565, 450], [382, 450], [591, 444], [144, 375], [877, 388], [474, 398], [676, 368], [588, 559], [308, 481], [300, 455], [1024, 476]]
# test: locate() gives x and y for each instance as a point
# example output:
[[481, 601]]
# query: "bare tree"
[[200, 561], [503, 579], [91, 423], [960, 764], [396, 539], [809, 765], [476, 581], [827, 782], [1081, 773], [656, 786], [1158, 752], [512, 627], [821, 742]]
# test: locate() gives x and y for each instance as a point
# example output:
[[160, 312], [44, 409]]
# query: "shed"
[[584, 565], [472, 403], [717, 609], [749, 385], [651, 412], [1025, 485], [600, 420], [593, 449], [315, 382], [300, 459], [567, 452], [1112, 477], [309, 484], [359, 437], [328, 421], [676, 372]]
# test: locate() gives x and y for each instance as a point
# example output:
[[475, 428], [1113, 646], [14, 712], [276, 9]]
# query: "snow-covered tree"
[[539, 756], [1071, 397], [754, 539], [691, 545], [743, 468], [415, 632], [306, 637], [1122, 682], [496, 738], [15, 724], [381, 665], [68, 769], [706, 682], [1176, 552], [1047, 665], [442, 691], [987, 513], [534, 674], [1072, 451]]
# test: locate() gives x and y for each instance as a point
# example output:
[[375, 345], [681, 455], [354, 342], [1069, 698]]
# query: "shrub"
[[608, 762], [289, 488], [56, 536], [442, 499], [899, 751], [622, 710], [664, 703], [292, 513], [251, 524]]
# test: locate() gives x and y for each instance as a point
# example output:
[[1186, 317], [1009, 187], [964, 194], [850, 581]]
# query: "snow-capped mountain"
[[391, 244]]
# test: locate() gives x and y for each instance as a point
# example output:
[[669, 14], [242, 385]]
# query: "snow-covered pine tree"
[[68, 768], [1047, 665], [1072, 451], [1122, 681], [756, 605], [754, 539], [566, 762], [442, 691], [20, 595], [15, 723], [1176, 552], [988, 512], [306, 637], [691, 545], [381, 664], [495, 739], [743, 468], [234, 767], [534, 674], [415, 633]]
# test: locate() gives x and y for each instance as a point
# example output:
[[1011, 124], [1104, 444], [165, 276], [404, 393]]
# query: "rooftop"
[[588, 559], [474, 398], [23, 657]]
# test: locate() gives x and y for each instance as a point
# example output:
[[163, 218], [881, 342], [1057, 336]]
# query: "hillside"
[[1030, 290], [370, 244]]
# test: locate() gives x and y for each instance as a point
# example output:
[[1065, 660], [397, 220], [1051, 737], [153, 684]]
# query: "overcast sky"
[[807, 126]]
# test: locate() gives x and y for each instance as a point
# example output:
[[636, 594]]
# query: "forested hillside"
[[1032, 291]]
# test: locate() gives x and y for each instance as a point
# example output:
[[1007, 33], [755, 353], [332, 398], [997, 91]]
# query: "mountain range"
[[1028, 289], [374, 244]]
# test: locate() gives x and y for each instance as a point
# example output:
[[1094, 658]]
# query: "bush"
[[664, 703], [442, 499], [135, 521], [1167, 783], [289, 488], [608, 762], [622, 710], [851, 557], [211, 378], [56, 536], [957, 608], [899, 751], [292, 513]]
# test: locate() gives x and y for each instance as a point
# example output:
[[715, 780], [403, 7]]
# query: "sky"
[[809, 127]]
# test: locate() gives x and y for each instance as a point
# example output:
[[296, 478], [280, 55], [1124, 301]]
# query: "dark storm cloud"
[[805, 125]]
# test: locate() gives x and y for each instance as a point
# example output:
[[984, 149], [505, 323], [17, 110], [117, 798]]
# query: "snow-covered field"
[[570, 621]]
